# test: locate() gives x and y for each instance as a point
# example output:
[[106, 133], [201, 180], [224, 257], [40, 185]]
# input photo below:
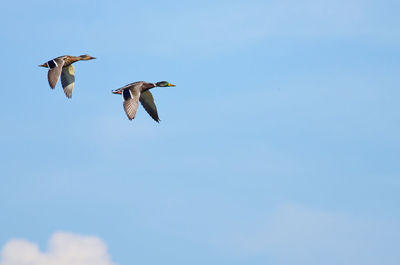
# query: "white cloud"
[[63, 249], [298, 235]]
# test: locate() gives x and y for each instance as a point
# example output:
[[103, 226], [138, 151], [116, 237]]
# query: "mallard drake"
[[63, 66], [140, 91]]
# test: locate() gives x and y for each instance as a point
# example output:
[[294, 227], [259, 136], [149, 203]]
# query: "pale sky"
[[279, 144]]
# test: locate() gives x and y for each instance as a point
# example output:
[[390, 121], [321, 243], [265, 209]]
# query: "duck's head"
[[86, 57], [164, 84]]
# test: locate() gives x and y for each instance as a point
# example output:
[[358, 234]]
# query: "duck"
[[140, 91], [62, 66]]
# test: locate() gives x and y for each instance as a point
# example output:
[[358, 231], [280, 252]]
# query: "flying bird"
[[140, 91], [63, 66]]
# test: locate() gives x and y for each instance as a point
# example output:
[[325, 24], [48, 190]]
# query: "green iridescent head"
[[164, 84]]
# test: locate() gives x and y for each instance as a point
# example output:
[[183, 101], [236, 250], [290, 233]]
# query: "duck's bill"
[[171, 85], [43, 65], [118, 91]]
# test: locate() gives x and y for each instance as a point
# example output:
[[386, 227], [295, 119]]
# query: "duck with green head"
[[140, 91]]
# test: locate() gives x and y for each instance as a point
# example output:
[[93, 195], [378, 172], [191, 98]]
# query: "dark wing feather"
[[68, 80], [55, 72], [147, 100]]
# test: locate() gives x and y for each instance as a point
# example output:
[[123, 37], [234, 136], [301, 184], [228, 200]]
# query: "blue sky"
[[279, 144]]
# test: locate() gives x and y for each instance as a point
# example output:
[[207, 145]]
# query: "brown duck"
[[63, 66], [140, 91]]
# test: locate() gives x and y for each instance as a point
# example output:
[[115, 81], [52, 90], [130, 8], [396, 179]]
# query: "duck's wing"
[[68, 80], [131, 102], [134, 85], [54, 73], [147, 100]]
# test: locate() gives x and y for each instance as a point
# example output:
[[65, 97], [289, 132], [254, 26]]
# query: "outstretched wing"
[[68, 80], [131, 102], [54, 73], [147, 100]]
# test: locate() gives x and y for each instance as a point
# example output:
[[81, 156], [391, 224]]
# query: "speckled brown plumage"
[[62, 66]]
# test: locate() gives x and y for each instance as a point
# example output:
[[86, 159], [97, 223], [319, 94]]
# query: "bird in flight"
[[63, 66], [140, 91]]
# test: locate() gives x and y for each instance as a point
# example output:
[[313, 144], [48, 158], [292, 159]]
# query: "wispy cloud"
[[63, 249]]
